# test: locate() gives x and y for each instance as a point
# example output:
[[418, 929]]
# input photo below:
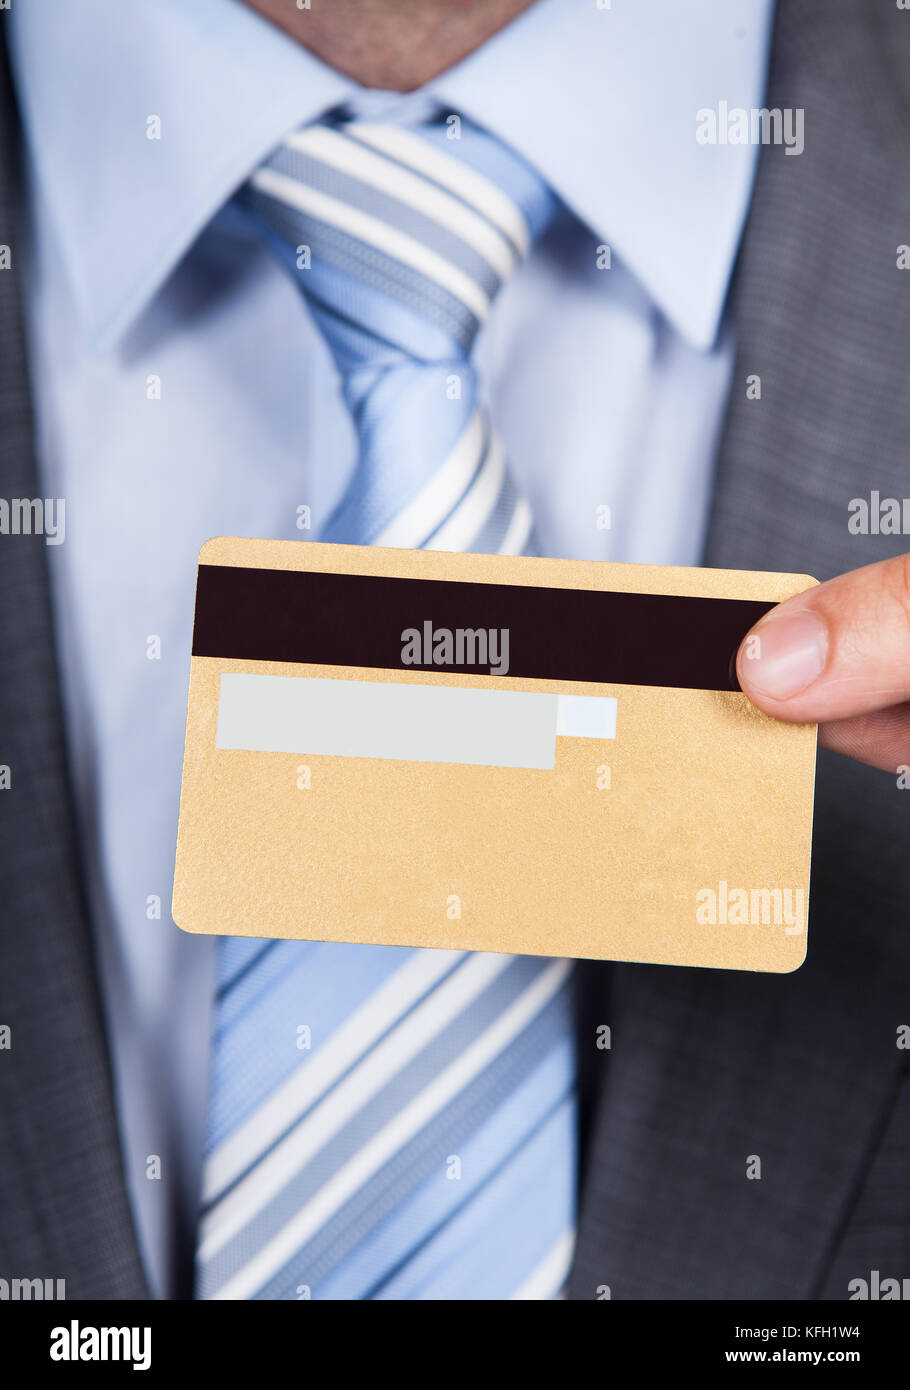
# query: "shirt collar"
[[605, 108], [602, 102], [225, 85]]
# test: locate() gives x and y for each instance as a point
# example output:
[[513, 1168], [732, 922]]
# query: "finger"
[[838, 650], [881, 739]]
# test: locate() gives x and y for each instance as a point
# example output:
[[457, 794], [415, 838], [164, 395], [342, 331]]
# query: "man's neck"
[[395, 45]]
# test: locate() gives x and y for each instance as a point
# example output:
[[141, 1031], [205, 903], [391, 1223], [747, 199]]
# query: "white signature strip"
[[404, 721]]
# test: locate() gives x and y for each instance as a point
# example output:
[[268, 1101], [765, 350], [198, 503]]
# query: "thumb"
[[837, 650]]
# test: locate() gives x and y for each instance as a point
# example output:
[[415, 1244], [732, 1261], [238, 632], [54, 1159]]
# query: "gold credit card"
[[489, 753]]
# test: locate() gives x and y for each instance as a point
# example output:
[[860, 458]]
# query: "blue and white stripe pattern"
[[408, 246], [384, 1122]]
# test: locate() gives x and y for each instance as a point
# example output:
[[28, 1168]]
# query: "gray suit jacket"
[[707, 1067]]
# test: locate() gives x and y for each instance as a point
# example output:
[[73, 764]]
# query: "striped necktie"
[[387, 1122]]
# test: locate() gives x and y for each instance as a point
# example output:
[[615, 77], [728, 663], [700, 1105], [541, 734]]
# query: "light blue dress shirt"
[[182, 392]]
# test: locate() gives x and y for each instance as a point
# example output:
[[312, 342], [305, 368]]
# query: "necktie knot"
[[399, 237]]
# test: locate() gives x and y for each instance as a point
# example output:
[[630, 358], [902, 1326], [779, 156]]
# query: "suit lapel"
[[63, 1207], [711, 1071]]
